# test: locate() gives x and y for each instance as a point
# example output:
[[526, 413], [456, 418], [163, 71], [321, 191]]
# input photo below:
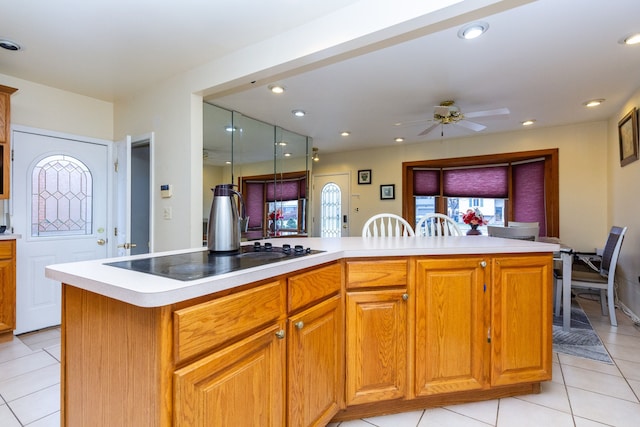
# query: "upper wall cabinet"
[[5, 139]]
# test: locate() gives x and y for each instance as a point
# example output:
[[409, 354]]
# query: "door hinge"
[[12, 155], [115, 166], [489, 335], [115, 231]]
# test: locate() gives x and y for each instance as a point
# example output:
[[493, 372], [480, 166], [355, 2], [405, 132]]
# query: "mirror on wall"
[[239, 149]]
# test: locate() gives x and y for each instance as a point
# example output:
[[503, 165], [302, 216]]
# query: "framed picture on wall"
[[364, 176], [628, 137], [387, 192]]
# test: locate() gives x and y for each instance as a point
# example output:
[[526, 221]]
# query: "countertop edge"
[[147, 290]]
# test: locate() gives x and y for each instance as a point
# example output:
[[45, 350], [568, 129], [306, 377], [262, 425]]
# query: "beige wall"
[[621, 199], [44, 107], [582, 148]]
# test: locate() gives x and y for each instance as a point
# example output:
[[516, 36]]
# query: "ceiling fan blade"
[[429, 129], [471, 125], [487, 113]]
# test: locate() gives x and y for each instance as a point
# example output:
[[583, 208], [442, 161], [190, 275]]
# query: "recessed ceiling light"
[[345, 133], [528, 122], [299, 113], [9, 45], [593, 103], [227, 162], [276, 88], [399, 139], [630, 39], [287, 154], [473, 30]]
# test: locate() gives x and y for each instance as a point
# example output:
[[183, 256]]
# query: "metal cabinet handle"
[[299, 324], [483, 264], [280, 334], [405, 297]]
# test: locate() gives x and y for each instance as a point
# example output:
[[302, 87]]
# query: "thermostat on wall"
[[165, 190]]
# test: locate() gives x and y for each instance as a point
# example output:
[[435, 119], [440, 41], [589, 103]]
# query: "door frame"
[[315, 226], [121, 209]]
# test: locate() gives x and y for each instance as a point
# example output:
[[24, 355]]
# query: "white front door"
[[60, 207], [331, 205]]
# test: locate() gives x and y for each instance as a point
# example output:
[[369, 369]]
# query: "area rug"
[[581, 340]]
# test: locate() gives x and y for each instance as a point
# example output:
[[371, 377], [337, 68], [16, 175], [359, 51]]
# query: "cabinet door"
[[7, 286], [376, 353], [314, 391], [521, 319], [451, 326], [240, 385]]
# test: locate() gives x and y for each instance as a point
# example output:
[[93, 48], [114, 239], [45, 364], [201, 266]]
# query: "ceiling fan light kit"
[[447, 113]]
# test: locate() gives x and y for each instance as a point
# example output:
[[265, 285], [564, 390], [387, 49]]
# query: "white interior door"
[[133, 196], [331, 205], [60, 207]]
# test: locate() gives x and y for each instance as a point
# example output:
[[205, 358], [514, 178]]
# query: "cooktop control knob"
[[268, 247], [299, 249], [286, 248], [256, 246]]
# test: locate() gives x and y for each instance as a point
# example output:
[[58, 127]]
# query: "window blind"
[[484, 182]]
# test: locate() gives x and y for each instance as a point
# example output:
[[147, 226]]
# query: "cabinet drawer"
[[7, 249], [207, 325], [367, 274], [314, 285]]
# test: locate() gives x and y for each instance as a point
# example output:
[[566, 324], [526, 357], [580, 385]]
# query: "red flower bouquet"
[[474, 218], [277, 214]]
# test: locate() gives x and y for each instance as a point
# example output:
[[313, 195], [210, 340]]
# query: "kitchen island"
[[367, 326]]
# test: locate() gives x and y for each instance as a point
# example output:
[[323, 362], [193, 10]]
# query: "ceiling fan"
[[447, 113]]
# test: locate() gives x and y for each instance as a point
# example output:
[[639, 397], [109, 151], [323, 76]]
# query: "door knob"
[[101, 242]]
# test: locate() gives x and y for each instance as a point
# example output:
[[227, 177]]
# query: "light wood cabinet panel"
[[5, 138], [7, 285], [241, 385], [376, 345], [521, 333], [376, 273], [451, 337], [204, 326], [313, 285], [315, 364]]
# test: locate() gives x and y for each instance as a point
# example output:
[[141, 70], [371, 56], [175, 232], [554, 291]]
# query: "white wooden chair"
[[437, 224], [387, 225], [602, 277]]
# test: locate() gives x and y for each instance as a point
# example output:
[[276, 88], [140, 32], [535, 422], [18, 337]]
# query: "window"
[[264, 196], [61, 197], [330, 210], [504, 187]]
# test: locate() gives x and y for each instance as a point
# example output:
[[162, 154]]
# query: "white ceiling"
[[541, 60]]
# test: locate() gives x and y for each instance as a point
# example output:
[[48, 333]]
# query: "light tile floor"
[[583, 393]]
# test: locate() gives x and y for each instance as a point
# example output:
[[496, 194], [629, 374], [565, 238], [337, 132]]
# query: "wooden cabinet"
[[7, 285], [240, 385], [5, 138], [315, 343], [451, 325], [377, 331], [314, 373], [482, 322], [521, 320]]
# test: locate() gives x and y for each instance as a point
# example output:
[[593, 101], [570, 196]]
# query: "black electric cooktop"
[[197, 265]]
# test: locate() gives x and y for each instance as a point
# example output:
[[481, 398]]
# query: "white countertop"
[[146, 290], [8, 236]]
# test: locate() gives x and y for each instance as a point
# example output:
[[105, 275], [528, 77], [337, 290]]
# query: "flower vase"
[[474, 231]]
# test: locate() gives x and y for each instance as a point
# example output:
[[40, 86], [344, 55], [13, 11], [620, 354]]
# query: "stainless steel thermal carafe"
[[223, 234]]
